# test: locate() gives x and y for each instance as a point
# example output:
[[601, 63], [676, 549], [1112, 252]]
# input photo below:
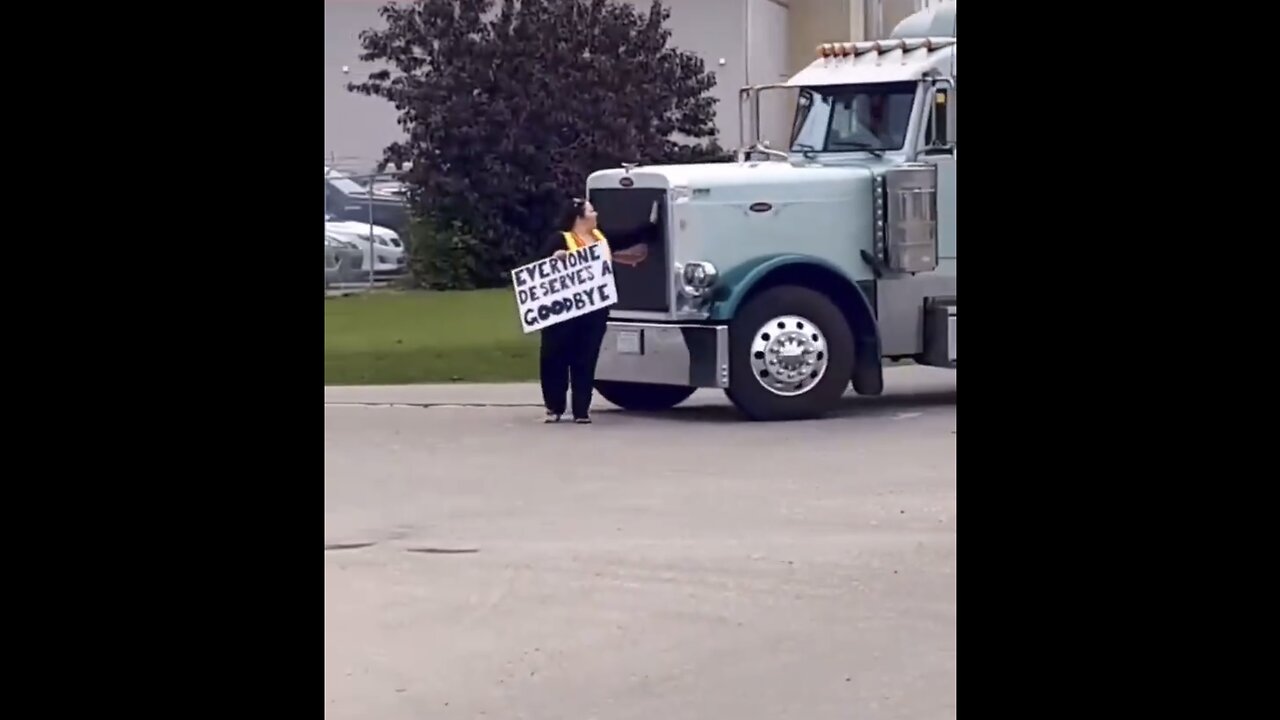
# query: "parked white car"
[[342, 262], [383, 250]]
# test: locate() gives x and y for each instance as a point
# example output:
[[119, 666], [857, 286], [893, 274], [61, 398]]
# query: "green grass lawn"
[[386, 338]]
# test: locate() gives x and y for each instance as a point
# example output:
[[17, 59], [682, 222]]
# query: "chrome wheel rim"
[[789, 355]]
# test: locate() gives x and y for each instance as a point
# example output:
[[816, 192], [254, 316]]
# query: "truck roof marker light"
[[827, 51]]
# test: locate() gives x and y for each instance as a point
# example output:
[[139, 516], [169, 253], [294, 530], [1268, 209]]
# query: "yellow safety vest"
[[574, 243]]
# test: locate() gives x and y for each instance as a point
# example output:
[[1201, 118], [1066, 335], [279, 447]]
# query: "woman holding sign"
[[570, 349]]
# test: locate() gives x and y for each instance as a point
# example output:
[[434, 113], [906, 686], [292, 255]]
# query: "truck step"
[[940, 333]]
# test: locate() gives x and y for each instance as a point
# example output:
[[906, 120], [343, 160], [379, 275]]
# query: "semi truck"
[[789, 275]]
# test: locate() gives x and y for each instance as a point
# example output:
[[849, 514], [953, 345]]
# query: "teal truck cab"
[[784, 277]]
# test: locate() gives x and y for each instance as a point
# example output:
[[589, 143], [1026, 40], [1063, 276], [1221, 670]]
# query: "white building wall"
[[742, 41], [882, 15], [769, 61], [715, 30], [745, 42]]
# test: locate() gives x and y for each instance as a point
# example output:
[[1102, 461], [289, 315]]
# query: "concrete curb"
[[486, 394], [897, 379]]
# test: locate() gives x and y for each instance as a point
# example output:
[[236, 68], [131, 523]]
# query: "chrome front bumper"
[[688, 355]]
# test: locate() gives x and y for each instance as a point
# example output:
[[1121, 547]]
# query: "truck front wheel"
[[642, 396], [790, 355]]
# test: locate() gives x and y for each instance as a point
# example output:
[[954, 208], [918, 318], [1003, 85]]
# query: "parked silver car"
[[343, 262]]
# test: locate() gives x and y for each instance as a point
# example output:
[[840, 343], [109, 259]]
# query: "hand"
[[560, 254]]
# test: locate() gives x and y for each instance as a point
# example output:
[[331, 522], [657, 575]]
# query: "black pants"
[[568, 357]]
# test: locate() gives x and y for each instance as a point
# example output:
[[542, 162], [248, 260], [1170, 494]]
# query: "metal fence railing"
[[366, 229]]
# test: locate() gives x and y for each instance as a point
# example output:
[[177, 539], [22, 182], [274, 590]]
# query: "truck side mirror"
[[943, 115]]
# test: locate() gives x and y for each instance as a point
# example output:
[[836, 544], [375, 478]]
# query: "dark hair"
[[576, 208]]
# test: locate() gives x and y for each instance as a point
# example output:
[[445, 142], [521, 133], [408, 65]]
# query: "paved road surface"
[[682, 566]]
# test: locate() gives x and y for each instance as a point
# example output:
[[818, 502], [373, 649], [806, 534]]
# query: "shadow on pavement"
[[851, 405]]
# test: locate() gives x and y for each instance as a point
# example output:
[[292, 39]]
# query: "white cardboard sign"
[[553, 290]]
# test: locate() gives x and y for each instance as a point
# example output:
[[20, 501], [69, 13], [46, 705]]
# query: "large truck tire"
[[790, 355], [642, 396]]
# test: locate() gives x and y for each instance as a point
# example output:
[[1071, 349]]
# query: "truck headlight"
[[698, 276]]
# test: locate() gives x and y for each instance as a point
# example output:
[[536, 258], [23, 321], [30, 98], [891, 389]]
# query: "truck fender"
[[740, 283]]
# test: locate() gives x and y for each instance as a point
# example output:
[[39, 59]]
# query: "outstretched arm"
[[549, 247]]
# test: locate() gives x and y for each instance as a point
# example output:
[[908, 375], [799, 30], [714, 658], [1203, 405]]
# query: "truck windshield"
[[852, 118]]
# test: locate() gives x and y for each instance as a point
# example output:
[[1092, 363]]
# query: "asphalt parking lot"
[[673, 566]]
